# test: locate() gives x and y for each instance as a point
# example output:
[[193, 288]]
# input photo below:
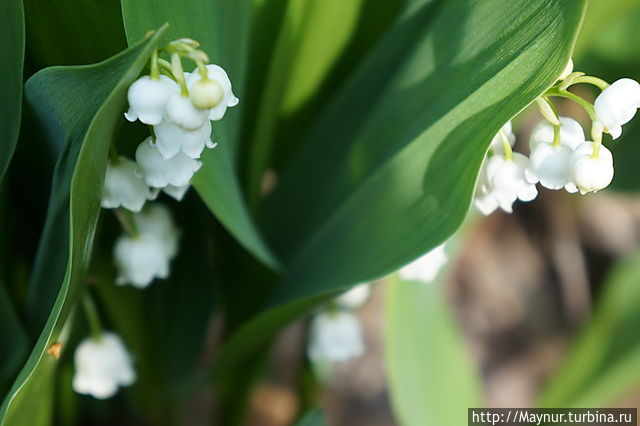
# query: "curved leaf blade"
[[396, 178], [86, 124], [221, 27], [420, 120], [11, 64]]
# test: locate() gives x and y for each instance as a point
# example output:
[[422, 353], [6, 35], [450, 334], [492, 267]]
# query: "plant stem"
[[92, 317]]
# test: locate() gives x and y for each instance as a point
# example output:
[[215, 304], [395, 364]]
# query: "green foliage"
[[431, 377], [388, 169], [11, 62], [605, 361], [86, 126]]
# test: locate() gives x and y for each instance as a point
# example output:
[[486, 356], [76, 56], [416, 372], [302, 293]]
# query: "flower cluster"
[[560, 154], [178, 107], [335, 334]]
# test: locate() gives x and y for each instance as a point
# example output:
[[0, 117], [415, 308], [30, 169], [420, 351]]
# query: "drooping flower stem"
[[154, 72], [89, 307], [126, 221], [577, 99], [508, 153], [547, 110], [178, 73], [595, 81], [596, 135]]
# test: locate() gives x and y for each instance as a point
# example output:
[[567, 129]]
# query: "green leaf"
[[13, 336], [72, 32], [86, 125], [389, 169], [313, 418], [432, 378], [605, 361], [11, 63], [222, 28]]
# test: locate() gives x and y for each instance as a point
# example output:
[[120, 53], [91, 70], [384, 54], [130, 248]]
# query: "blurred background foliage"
[[538, 308]]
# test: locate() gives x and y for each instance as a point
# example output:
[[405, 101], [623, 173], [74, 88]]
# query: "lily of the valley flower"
[[551, 164], [217, 74], [335, 337], [425, 268], [123, 187], [147, 253], [181, 111], [148, 98], [591, 172], [497, 145], [171, 139], [102, 366], [176, 192], [355, 297], [504, 182], [617, 104], [158, 172]]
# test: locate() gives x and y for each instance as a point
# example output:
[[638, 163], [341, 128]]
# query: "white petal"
[[148, 98], [355, 297], [335, 337], [123, 187], [217, 73], [425, 268], [617, 104], [182, 112]]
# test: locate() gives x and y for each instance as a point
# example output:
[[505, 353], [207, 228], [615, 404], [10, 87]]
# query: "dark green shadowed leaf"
[[389, 169], [11, 62], [86, 124], [222, 28]]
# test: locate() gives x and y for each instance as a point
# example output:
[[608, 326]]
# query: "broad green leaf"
[[389, 169], [86, 125], [72, 32], [13, 337], [11, 64], [432, 379], [222, 28], [311, 37], [605, 360]]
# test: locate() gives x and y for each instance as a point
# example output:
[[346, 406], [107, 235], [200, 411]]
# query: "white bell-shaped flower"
[[355, 297], [140, 259], [617, 104], [496, 143], [123, 187], [171, 139], [219, 75], [102, 366], [508, 180], [484, 200], [426, 267], [156, 220], [551, 165], [158, 172], [335, 337], [571, 133], [148, 98], [176, 192], [181, 111], [591, 174]]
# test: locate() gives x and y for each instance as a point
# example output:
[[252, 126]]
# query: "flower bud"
[[206, 93]]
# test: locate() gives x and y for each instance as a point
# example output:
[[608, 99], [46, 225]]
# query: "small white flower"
[[101, 366], [496, 143], [140, 259], [158, 172], [425, 268], [571, 133], [181, 111], [568, 69], [335, 337], [355, 297], [148, 98], [218, 74], [551, 165], [590, 173], [484, 199], [123, 187], [617, 104], [176, 192], [508, 180], [156, 220], [171, 139]]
